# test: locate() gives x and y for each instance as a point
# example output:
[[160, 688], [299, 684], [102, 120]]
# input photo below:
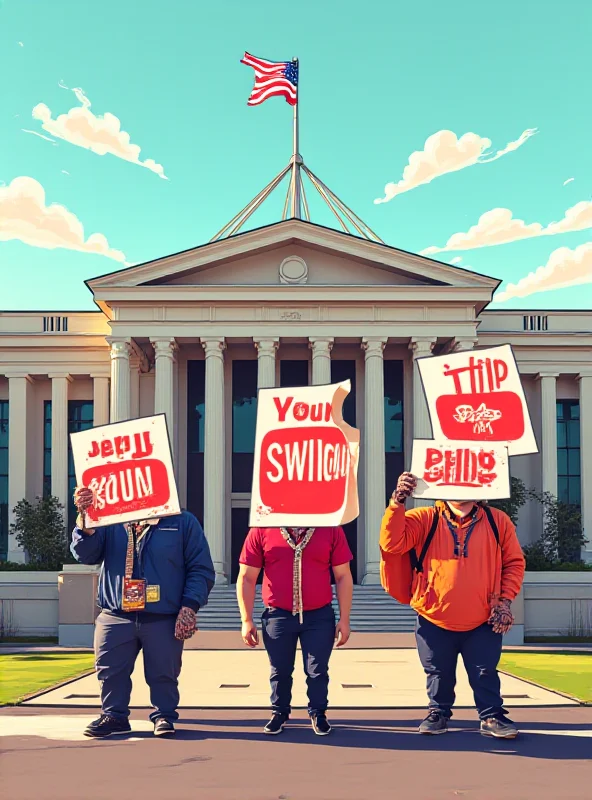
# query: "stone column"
[[164, 384], [100, 400], [585, 382], [548, 383], [374, 457], [266, 352], [120, 379], [134, 386], [321, 360], [18, 397], [214, 456], [422, 428], [59, 437]]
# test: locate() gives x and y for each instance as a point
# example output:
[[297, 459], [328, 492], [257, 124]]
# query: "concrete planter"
[[558, 604], [29, 603]]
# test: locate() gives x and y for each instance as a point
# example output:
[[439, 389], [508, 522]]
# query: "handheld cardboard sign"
[[460, 470], [306, 458], [478, 396], [128, 467]]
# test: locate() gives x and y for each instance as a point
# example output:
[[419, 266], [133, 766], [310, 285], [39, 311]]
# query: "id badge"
[[153, 594], [134, 595]]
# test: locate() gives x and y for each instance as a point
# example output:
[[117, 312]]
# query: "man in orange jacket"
[[462, 597]]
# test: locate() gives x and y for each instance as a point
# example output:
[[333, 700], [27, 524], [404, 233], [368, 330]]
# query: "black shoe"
[[320, 724], [499, 728], [435, 722], [162, 727], [106, 725], [275, 724]]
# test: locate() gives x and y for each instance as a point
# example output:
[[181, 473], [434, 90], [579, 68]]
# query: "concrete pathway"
[[239, 679]]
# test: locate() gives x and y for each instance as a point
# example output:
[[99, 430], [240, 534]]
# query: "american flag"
[[272, 78]]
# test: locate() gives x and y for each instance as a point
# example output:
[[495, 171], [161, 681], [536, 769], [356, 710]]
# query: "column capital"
[[164, 346], [373, 346], [321, 345], [461, 344], [422, 345], [265, 345], [542, 375], [580, 376], [98, 375], [25, 375], [119, 348], [65, 375], [214, 347]]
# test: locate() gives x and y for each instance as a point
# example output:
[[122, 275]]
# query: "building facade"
[[194, 335]]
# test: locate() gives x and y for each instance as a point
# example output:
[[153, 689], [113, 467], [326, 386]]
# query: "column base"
[[221, 577], [80, 635], [587, 556], [16, 556], [371, 575], [514, 636]]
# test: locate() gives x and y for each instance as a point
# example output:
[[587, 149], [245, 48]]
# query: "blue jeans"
[[480, 649], [118, 640], [281, 632]]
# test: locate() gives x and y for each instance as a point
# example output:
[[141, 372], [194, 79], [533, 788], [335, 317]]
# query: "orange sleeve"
[[401, 530], [513, 564]]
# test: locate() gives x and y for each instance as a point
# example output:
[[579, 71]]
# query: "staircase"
[[373, 611]]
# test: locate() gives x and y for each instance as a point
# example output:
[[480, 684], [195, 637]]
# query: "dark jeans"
[[480, 649], [281, 632], [118, 640]]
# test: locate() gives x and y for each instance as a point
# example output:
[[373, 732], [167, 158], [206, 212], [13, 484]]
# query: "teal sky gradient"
[[376, 80]]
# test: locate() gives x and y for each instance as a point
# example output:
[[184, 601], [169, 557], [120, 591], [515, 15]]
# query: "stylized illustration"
[[128, 467]]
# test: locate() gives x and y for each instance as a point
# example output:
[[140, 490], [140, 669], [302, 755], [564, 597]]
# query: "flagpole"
[[296, 157]]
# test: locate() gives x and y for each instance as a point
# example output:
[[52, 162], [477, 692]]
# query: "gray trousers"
[[118, 640]]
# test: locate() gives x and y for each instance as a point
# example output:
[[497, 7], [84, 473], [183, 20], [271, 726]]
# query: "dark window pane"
[[562, 462], [244, 406], [196, 389], [563, 490], [573, 462], [393, 406], [560, 413], [561, 434], [294, 373], [575, 491], [575, 410], [346, 371], [573, 433], [3, 461]]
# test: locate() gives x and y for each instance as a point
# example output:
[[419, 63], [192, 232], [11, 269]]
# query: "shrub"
[[560, 544], [519, 494], [41, 531]]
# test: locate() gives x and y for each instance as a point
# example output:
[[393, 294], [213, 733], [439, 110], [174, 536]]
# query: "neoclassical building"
[[195, 334]]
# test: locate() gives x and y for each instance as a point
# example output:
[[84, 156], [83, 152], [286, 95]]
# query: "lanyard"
[[297, 605], [454, 532], [135, 535]]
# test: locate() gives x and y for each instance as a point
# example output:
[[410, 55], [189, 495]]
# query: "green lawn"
[[566, 672], [25, 674]]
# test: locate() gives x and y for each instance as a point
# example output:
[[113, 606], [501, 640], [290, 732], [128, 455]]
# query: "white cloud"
[[498, 226], [456, 260], [564, 268], [24, 216], [65, 172], [40, 135], [443, 152], [100, 134], [569, 180], [20, 44]]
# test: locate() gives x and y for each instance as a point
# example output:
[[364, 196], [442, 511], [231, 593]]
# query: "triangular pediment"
[[254, 258]]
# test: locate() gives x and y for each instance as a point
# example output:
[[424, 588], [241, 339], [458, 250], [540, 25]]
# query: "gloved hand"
[[186, 624], [501, 618], [405, 487], [83, 498]]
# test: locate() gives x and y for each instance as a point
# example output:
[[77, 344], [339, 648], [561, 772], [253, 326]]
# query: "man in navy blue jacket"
[[171, 579]]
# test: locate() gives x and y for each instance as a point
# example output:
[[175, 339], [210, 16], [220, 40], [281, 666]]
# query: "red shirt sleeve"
[[252, 552], [340, 553]]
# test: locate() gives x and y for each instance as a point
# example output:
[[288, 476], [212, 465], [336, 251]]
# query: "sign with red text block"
[[478, 396], [129, 469], [306, 458], [460, 470]]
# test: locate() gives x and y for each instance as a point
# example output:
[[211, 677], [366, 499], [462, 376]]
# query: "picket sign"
[[129, 468], [306, 458], [460, 470], [477, 396]]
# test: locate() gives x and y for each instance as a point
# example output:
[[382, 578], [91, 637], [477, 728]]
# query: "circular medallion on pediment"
[[293, 270]]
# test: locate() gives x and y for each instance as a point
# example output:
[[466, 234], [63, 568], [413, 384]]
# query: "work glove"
[[186, 624], [405, 487], [83, 498], [501, 618]]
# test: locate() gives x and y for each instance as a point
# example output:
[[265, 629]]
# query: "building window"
[[393, 423], [3, 480], [80, 418], [47, 448], [535, 322], [196, 409], [244, 420], [55, 324], [568, 452], [294, 373]]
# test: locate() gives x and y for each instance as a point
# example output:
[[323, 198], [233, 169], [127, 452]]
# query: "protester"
[[297, 595], [155, 576], [474, 568]]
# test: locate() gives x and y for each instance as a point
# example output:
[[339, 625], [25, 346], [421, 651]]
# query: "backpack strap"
[[417, 563], [492, 522]]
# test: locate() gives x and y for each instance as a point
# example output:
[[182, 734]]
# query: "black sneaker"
[[162, 727], [499, 728], [106, 725], [320, 724], [275, 724], [435, 722]]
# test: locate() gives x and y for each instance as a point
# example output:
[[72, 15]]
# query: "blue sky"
[[377, 80]]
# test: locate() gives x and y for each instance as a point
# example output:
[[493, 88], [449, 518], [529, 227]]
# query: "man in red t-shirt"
[[297, 595]]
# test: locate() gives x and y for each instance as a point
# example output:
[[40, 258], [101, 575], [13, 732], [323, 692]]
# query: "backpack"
[[396, 571]]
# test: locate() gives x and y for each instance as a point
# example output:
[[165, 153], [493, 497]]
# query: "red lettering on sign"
[[121, 445], [301, 411], [479, 375], [459, 467], [126, 487], [304, 470], [493, 416]]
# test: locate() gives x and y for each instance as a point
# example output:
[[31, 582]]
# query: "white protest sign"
[[306, 458], [460, 470], [477, 396], [129, 469]]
